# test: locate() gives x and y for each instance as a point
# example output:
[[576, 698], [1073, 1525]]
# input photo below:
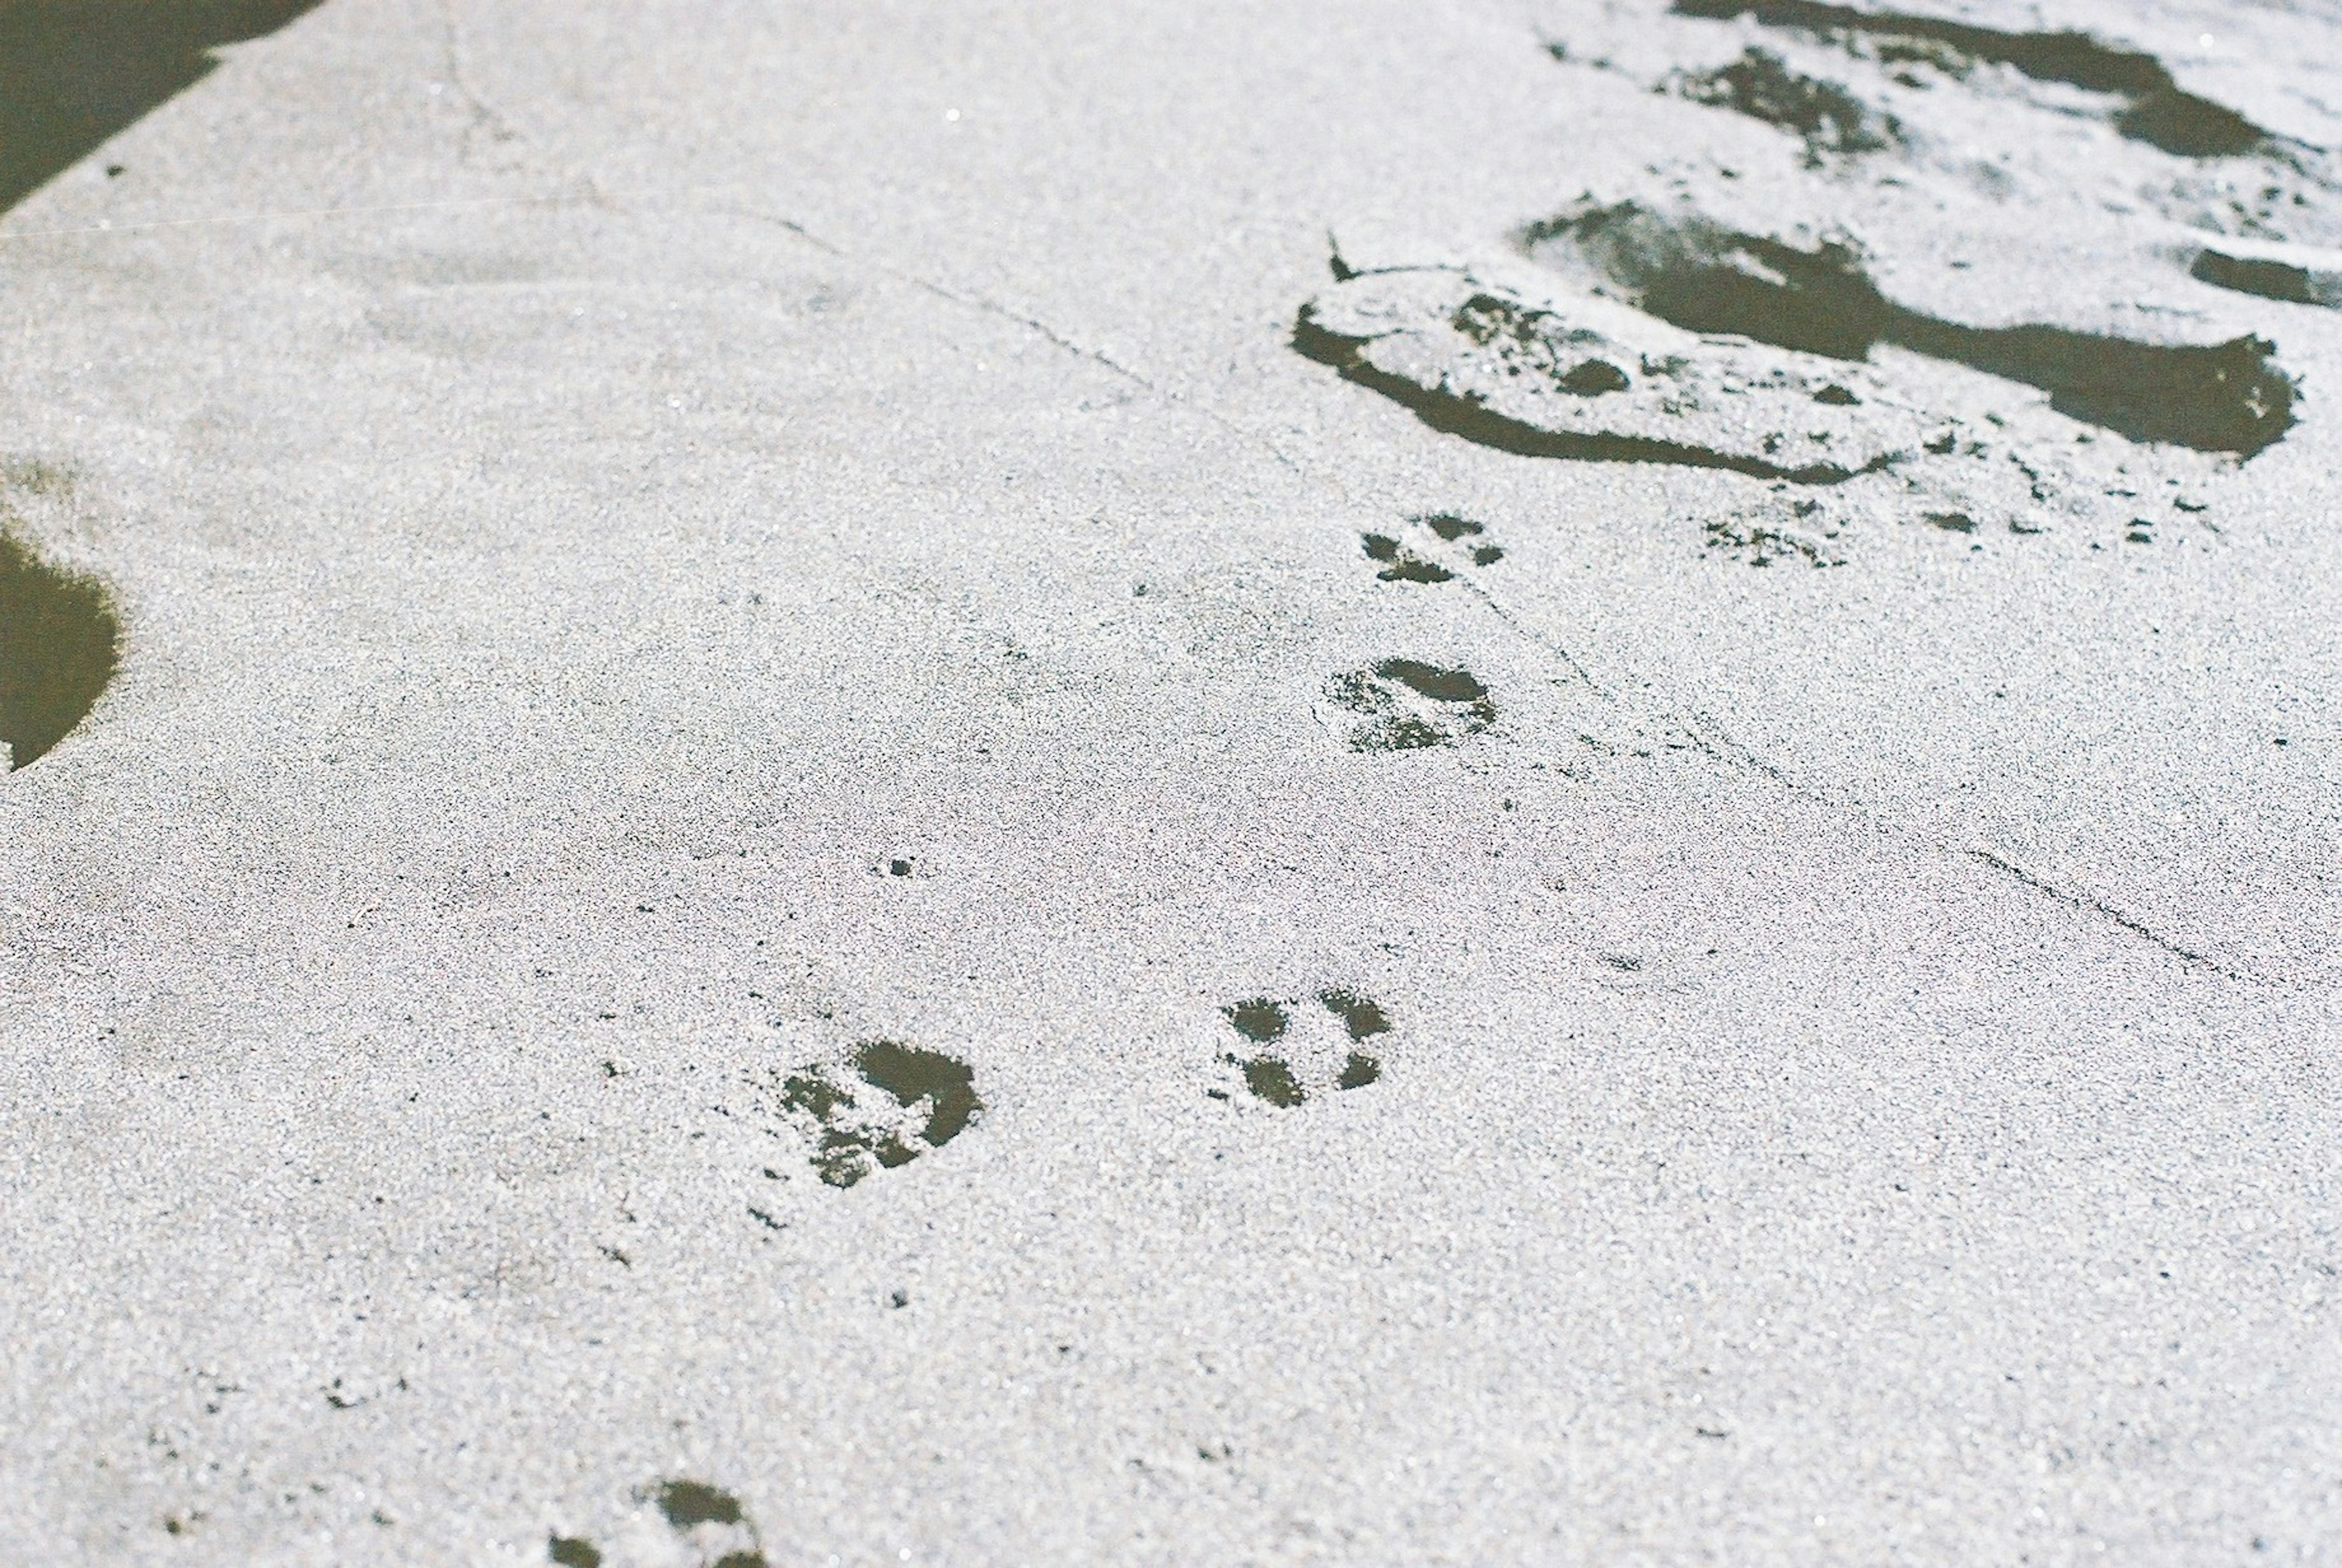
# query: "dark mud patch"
[[60, 642], [2154, 108], [1362, 1018], [913, 1076], [1327, 1050], [2227, 397], [73, 73], [1271, 1079], [883, 1108], [1408, 704], [1260, 1020]]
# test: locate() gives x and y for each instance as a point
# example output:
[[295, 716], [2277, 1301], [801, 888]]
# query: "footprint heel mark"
[[1590, 380], [1406, 704], [1307, 1060], [933, 1101], [60, 642]]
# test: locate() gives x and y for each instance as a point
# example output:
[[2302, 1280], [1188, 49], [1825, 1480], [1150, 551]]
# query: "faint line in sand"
[[968, 301], [484, 115], [1712, 740], [2083, 901]]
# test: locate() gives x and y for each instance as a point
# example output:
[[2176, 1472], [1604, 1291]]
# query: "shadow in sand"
[[2215, 397], [59, 640], [73, 73], [2156, 111]]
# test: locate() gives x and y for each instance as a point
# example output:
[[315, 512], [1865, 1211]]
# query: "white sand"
[[589, 488]]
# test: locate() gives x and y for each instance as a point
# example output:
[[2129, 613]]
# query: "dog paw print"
[[884, 1106], [1286, 1059], [1405, 705], [696, 1526], [1453, 541]]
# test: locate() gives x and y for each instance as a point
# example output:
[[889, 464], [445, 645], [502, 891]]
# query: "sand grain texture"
[[786, 836]]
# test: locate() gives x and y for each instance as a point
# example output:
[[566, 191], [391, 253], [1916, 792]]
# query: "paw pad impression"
[[888, 1103], [1282, 1063], [1406, 705]]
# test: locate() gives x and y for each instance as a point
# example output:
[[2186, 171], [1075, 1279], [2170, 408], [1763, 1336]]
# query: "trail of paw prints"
[[880, 1108], [1285, 1060], [1403, 704], [1437, 547], [682, 1524]]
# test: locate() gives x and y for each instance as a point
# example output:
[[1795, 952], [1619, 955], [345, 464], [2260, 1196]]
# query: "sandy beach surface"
[[1502, 782]]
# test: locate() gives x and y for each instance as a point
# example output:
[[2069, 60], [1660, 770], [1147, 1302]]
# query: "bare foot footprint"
[[2029, 121], [1282, 1062], [1549, 371], [1593, 380], [1819, 299]]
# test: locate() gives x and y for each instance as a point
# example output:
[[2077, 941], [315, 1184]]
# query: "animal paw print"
[[905, 1097], [1405, 705], [1304, 1057], [698, 1526], [1458, 538]]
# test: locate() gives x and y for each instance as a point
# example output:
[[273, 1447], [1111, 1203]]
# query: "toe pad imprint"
[[888, 1104]]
